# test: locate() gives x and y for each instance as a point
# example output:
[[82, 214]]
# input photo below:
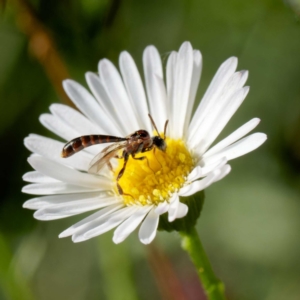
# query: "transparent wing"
[[103, 158], [103, 152]]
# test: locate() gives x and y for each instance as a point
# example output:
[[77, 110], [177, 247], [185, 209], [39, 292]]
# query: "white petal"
[[162, 208], [156, 91], [213, 93], [174, 203], [68, 175], [74, 119], [98, 227], [170, 74], [47, 201], [237, 149], [195, 174], [198, 185], [109, 116], [216, 165], [204, 171], [95, 216], [197, 69], [182, 210], [51, 149], [135, 90], [225, 170], [37, 177], [220, 122], [115, 89], [231, 91], [128, 226], [71, 208], [148, 228], [233, 137], [86, 103], [181, 89], [59, 127], [55, 188]]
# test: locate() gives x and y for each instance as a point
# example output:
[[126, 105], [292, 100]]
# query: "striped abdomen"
[[82, 142]]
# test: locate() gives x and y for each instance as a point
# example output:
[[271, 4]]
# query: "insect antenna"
[[165, 129], [152, 121]]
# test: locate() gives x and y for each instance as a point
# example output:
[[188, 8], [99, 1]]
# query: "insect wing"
[[104, 152], [103, 158]]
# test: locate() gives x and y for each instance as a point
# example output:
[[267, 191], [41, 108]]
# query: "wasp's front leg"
[[120, 190]]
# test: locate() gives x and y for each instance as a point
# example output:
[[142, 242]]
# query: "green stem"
[[212, 286]]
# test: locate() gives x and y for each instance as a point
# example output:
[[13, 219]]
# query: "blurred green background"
[[251, 220]]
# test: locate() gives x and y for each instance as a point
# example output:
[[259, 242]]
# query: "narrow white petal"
[[198, 185], [148, 228], [235, 82], [204, 171], [156, 91], [213, 93], [213, 166], [173, 208], [225, 170], [37, 177], [52, 149], [71, 208], [74, 119], [197, 69], [162, 208], [233, 137], [195, 174], [170, 73], [91, 218], [55, 188], [135, 90], [47, 201], [67, 175], [109, 116], [59, 127], [182, 210], [220, 122], [107, 223], [239, 148], [181, 89], [85, 102], [115, 89], [128, 226], [230, 94]]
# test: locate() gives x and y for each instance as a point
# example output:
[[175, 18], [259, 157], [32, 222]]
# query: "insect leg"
[[120, 190], [110, 165]]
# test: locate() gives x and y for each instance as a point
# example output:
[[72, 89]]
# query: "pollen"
[[155, 178]]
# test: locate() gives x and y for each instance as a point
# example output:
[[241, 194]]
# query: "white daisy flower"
[[119, 105]]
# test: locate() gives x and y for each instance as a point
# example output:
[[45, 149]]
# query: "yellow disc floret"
[[155, 179]]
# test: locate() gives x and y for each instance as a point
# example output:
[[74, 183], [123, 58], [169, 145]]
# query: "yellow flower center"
[[156, 178]]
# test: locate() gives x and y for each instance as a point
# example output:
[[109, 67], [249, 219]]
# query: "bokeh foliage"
[[250, 222]]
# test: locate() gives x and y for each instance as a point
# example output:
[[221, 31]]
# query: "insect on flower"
[[138, 142]]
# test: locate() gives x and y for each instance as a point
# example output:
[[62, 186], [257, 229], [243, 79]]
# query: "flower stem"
[[212, 286]]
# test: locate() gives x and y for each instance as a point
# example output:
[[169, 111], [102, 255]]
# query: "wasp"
[[138, 142]]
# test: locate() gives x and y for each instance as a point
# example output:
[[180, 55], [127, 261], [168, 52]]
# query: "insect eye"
[[143, 134]]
